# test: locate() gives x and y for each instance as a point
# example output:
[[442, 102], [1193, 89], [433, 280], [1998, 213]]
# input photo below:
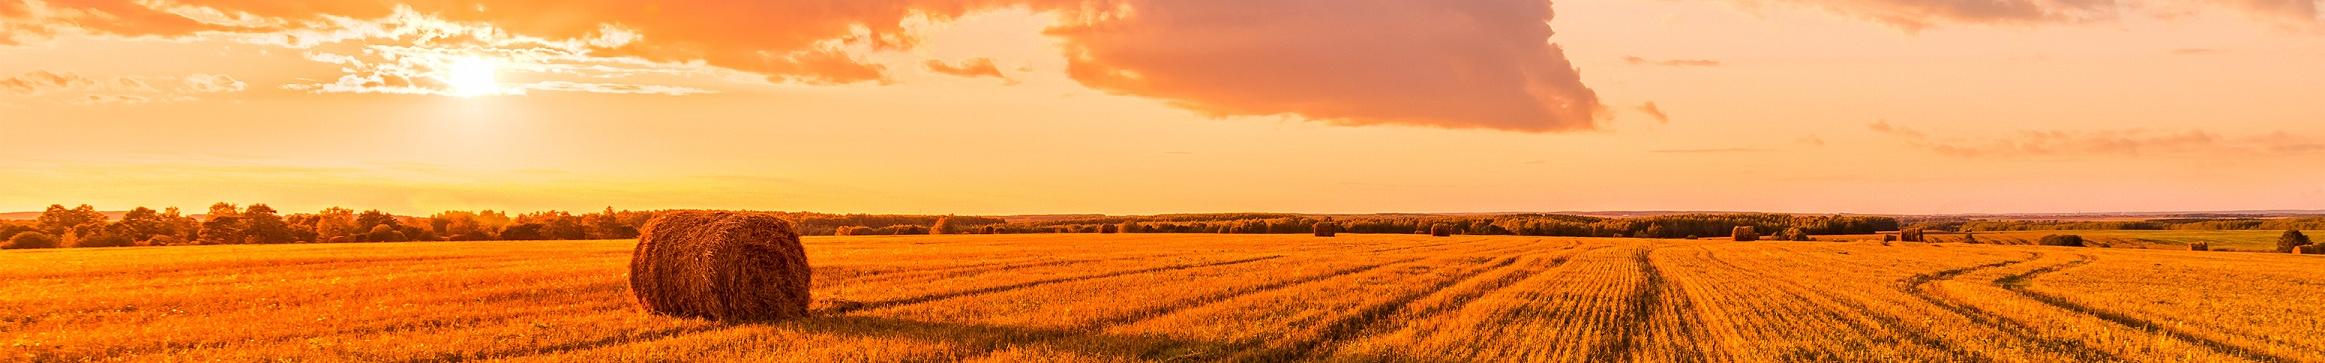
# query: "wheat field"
[[1182, 297]]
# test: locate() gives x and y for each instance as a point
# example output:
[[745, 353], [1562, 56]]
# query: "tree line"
[[2225, 224], [226, 223]]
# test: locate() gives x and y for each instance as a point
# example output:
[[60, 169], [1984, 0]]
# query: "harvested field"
[[1166, 297]]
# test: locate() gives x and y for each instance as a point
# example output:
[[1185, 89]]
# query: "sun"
[[472, 76]]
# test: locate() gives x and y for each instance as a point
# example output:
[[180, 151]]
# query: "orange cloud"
[[1456, 64], [1453, 64], [1919, 14], [70, 87], [979, 67], [1655, 111]]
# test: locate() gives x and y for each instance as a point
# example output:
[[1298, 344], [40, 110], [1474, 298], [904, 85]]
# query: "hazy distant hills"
[[116, 215]]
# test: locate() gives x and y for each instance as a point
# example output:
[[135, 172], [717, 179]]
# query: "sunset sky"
[[1139, 106]]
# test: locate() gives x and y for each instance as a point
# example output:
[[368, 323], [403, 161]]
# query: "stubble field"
[[1177, 297]]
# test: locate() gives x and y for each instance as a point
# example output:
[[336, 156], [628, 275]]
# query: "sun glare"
[[470, 77]]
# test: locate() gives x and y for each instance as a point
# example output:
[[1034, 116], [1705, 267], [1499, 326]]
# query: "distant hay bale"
[[1441, 230], [1744, 234], [1327, 229], [721, 266], [1911, 235], [2199, 246]]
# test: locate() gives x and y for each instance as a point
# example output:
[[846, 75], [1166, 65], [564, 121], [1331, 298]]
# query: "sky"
[[1151, 106]]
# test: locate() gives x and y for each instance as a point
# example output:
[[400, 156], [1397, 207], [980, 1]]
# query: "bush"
[[31, 240], [2199, 246], [1795, 234], [2062, 240], [103, 240], [853, 231], [2292, 239], [165, 240]]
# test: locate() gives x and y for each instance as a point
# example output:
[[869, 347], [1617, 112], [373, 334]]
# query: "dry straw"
[[720, 266], [1441, 230], [1745, 234], [1327, 229]]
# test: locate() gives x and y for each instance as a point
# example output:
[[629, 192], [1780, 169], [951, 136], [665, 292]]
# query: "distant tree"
[[143, 223], [181, 226], [163, 240], [902, 229], [31, 240], [2292, 239], [853, 231], [261, 225], [385, 233], [2068, 240], [943, 225], [336, 224], [523, 232], [57, 220], [224, 226], [1794, 234], [8, 229], [374, 218], [99, 235]]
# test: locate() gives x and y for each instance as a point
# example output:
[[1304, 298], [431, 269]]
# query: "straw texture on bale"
[[1745, 234], [720, 266], [1441, 230], [1327, 229]]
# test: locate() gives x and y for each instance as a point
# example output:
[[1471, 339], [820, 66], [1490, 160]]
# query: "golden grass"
[[1158, 297]]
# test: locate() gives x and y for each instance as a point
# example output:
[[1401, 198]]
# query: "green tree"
[[31, 240], [943, 225], [336, 224], [262, 225], [223, 227], [143, 223], [2291, 239], [100, 235], [57, 220]]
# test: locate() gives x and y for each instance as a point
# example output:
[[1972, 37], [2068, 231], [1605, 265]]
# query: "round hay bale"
[[1327, 229], [1744, 234], [720, 266], [1441, 230], [2199, 246]]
